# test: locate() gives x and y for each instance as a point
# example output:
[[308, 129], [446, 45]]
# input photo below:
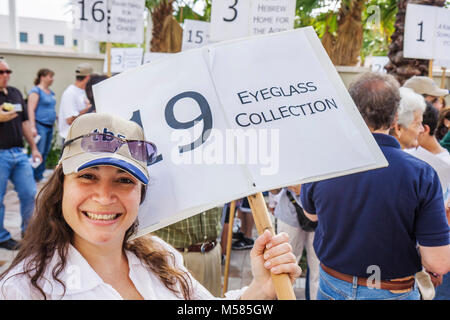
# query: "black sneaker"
[[242, 244], [249, 241], [238, 235], [10, 244]]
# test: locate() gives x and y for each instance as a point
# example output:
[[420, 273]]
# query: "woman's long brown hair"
[[48, 233]]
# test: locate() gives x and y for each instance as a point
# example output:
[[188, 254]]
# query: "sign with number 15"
[[195, 34]]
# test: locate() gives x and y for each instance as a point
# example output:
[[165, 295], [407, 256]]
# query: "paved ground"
[[239, 271]]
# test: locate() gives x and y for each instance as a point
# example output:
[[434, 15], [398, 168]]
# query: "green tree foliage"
[[378, 20]]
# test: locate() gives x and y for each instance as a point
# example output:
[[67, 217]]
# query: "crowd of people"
[[379, 234]]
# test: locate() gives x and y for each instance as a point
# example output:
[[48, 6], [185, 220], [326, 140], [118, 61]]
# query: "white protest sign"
[[118, 21], [442, 63], [378, 63], [232, 19], [195, 34], [226, 128], [427, 32], [229, 19], [152, 56], [123, 59], [442, 35], [269, 16]]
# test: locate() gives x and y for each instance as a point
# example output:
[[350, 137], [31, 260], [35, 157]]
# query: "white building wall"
[[49, 28]]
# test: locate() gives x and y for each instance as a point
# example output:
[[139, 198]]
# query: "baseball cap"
[[84, 69], [75, 158], [425, 85]]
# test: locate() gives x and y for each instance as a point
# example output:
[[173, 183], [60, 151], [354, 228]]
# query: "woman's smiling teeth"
[[102, 217]]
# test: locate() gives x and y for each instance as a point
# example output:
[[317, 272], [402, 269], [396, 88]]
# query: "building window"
[[59, 40], [23, 37], [41, 38], [75, 42]]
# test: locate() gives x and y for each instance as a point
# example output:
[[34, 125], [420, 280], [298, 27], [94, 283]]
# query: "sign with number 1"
[[427, 32]]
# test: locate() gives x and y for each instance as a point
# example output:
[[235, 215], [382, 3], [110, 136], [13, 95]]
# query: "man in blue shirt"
[[369, 223]]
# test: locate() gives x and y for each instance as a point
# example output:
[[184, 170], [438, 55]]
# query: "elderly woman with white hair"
[[410, 115]]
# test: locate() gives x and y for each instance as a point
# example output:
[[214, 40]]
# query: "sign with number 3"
[[229, 19]]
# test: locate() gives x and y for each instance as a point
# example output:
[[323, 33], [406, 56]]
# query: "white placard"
[[123, 59], [442, 63], [152, 56], [269, 16], [378, 63], [442, 35], [119, 21], [195, 34], [229, 19], [226, 128], [427, 32]]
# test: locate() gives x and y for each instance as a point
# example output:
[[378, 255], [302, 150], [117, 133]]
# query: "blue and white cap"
[[75, 159]]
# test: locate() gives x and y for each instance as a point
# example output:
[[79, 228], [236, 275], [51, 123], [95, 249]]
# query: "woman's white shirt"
[[83, 283]]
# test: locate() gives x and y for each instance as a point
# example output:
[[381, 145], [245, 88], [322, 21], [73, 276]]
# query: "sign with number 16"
[[109, 20]]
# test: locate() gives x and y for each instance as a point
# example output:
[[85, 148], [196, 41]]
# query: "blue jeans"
[[331, 288], [443, 291], [43, 146], [15, 166]]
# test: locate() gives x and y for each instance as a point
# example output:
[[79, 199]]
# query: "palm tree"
[[400, 67], [342, 35], [165, 36], [167, 33]]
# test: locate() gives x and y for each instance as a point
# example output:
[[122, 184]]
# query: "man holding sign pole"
[[367, 232]]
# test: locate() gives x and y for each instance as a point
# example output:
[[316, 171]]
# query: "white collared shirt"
[[83, 283]]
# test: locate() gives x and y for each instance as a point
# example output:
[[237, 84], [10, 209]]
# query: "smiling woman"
[[78, 243]]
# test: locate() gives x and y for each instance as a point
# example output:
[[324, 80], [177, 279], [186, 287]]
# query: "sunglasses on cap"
[[5, 71], [102, 142]]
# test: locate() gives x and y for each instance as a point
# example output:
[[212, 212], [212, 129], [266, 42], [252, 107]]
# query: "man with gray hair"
[[410, 116], [370, 222]]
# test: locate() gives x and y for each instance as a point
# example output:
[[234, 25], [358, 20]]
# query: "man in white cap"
[[74, 101], [428, 88]]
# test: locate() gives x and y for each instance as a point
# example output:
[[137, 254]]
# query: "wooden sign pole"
[[228, 249], [282, 282], [443, 77], [108, 57], [430, 69]]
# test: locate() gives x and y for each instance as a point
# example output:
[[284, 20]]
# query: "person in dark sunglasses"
[[78, 244], [14, 163]]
